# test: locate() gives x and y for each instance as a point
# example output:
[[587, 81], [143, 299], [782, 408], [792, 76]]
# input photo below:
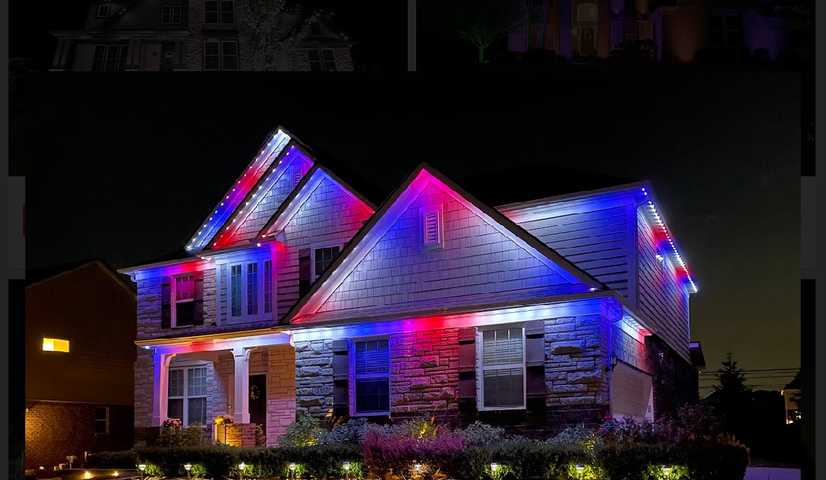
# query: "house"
[[202, 35], [80, 353], [300, 295], [791, 394], [676, 30]]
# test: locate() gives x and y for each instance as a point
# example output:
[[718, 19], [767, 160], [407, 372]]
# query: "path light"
[[87, 474], [580, 469], [115, 474], [346, 466], [666, 469], [292, 467], [187, 467], [142, 467], [494, 467]]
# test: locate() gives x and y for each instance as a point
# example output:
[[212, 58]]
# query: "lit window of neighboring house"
[[55, 345], [109, 58], [220, 55], [501, 367], [101, 420], [104, 9], [219, 11], [726, 30], [187, 395], [371, 375], [322, 60], [172, 15]]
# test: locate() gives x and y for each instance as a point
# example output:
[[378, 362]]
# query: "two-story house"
[[534, 315], [202, 35]]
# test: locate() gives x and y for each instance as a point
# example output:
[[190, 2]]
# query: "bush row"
[[509, 459]]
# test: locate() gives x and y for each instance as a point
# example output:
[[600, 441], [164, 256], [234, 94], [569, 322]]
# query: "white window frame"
[[260, 314], [351, 376], [185, 389], [169, 10], [220, 10], [221, 42], [107, 12], [313, 274], [106, 421], [438, 210], [173, 302], [480, 368]]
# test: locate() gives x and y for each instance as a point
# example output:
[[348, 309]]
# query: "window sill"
[[500, 409], [371, 414]]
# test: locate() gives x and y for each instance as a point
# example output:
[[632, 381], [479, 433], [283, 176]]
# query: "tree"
[[484, 22], [732, 396]]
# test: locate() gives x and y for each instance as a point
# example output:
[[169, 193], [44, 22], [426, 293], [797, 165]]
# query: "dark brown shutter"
[[467, 370], [535, 364], [198, 280], [340, 377], [166, 298], [304, 281]]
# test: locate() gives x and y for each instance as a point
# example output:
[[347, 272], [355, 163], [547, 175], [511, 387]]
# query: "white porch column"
[[160, 386], [242, 384]]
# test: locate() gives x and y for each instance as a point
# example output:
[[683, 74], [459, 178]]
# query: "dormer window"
[[432, 227]]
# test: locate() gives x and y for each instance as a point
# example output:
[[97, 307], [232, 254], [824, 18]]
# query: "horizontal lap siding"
[[272, 199], [476, 264], [663, 301], [330, 216], [599, 241]]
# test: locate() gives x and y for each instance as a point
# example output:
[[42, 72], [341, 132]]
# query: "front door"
[[587, 47], [258, 400]]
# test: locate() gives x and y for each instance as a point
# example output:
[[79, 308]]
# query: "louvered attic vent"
[[432, 228]]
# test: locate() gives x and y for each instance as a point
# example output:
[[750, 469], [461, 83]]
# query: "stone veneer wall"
[[314, 377], [281, 389], [143, 390], [424, 373]]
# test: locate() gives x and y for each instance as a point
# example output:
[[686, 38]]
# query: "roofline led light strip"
[[239, 190], [653, 209]]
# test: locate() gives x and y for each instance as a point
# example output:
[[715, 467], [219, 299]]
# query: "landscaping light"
[[579, 468], [242, 466], [494, 467], [87, 474], [292, 467], [187, 467], [666, 469], [417, 467], [115, 474], [142, 467], [42, 467], [346, 466]]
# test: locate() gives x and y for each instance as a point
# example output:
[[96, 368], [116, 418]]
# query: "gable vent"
[[431, 228]]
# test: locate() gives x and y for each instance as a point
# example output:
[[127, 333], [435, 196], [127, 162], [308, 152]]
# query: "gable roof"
[[300, 194], [360, 245], [36, 277]]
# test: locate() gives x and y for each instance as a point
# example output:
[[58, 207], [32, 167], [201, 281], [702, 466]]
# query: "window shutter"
[[198, 278], [467, 370], [166, 299], [535, 364], [340, 376], [304, 281]]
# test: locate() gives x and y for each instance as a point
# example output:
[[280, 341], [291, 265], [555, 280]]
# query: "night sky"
[[125, 167]]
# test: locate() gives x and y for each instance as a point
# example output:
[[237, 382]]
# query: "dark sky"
[[125, 167]]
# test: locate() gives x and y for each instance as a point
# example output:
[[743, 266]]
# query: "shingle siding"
[[476, 264]]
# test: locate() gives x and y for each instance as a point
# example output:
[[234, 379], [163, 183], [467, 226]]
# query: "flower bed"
[[422, 450]]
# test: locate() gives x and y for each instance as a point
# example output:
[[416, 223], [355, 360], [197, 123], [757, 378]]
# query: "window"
[[101, 420], [221, 55], [268, 286], [55, 345], [323, 257], [252, 288], [104, 9], [432, 227], [187, 395], [322, 60], [219, 11], [235, 290], [502, 368], [372, 377], [183, 297], [109, 58], [172, 15], [726, 30]]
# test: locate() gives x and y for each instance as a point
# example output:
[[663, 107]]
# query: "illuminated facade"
[[300, 295]]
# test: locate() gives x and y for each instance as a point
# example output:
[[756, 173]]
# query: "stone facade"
[[424, 373], [314, 377]]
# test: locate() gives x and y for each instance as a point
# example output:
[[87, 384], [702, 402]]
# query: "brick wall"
[[241, 434], [55, 430]]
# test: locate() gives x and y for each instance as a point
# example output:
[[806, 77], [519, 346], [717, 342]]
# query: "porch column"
[[160, 386], [242, 384]]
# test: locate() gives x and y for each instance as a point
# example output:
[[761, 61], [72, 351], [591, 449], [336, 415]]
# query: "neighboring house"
[[79, 358], [534, 315], [676, 29], [791, 400], [208, 35]]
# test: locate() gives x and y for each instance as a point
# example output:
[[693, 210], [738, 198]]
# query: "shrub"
[[348, 433], [304, 432], [124, 459], [478, 434], [383, 451]]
